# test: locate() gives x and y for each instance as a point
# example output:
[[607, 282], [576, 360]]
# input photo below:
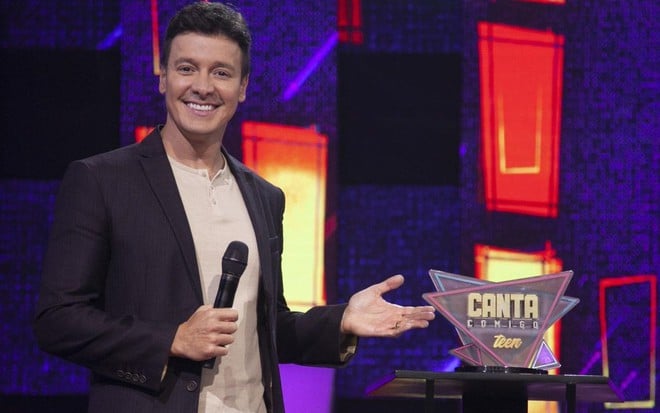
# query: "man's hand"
[[369, 315], [206, 334]]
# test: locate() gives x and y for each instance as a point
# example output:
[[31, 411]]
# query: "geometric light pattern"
[[622, 302], [521, 88], [295, 159]]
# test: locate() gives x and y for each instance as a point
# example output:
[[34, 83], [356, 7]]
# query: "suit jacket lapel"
[[254, 204], [159, 174]]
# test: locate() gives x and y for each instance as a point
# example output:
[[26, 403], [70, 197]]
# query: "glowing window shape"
[[612, 293], [497, 264], [349, 21], [521, 86], [295, 159]]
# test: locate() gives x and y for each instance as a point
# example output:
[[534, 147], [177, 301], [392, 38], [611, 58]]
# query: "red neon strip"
[[342, 15], [349, 21], [357, 14], [342, 20], [559, 2]]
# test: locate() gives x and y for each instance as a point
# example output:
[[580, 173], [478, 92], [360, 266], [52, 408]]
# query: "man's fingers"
[[222, 339], [225, 327], [392, 283], [220, 314], [426, 312]]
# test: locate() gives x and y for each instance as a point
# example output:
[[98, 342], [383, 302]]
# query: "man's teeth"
[[200, 107]]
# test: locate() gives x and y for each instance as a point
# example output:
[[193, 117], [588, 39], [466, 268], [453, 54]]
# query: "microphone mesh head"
[[235, 259]]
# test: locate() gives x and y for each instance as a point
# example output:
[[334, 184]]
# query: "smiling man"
[[203, 81], [133, 261]]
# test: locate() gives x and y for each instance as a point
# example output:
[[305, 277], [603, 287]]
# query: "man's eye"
[[185, 69]]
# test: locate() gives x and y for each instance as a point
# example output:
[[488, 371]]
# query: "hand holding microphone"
[[204, 332]]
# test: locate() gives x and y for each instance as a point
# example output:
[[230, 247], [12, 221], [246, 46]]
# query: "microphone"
[[233, 264]]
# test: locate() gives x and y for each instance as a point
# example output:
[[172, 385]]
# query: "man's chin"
[[202, 134]]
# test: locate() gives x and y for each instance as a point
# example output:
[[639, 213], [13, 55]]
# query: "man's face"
[[202, 85]]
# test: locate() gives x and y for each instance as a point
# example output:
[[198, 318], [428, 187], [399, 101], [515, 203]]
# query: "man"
[[135, 250]]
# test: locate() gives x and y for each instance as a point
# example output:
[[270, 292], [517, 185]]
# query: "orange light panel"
[[295, 159], [612, 305], [521, 84], [497, 265]]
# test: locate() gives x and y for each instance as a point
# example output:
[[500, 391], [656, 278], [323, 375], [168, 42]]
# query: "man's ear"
[[162, 81], [243, 92]]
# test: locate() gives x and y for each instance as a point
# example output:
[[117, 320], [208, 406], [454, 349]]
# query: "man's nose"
[[202, 85]]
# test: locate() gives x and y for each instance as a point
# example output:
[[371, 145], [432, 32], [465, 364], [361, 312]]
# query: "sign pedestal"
[[495, 392]]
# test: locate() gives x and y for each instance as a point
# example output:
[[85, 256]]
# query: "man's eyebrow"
[[184, 60], [215, 64], [223, 65]]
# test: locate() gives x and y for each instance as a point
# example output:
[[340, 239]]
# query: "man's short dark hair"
[[213, 19]]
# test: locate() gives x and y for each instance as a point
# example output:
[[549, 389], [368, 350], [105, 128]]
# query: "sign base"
[[499, 369]]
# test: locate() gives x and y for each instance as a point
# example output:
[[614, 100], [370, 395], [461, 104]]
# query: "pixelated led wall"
[[605, 228], [607, 219]]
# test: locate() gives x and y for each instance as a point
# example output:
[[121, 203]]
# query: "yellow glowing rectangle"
[[295, 159]]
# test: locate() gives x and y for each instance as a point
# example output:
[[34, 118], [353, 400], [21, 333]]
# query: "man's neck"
[[195, 153]]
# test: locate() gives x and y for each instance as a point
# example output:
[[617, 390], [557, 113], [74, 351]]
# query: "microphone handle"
[[226, 291], [224, 299]]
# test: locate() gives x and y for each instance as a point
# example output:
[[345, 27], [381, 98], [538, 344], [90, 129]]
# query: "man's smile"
[[207, 107]]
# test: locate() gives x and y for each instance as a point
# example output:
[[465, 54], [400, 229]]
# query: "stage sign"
[[501, 325]]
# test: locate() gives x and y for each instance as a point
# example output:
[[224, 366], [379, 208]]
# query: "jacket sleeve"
[[70, 319], [312, 337]]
